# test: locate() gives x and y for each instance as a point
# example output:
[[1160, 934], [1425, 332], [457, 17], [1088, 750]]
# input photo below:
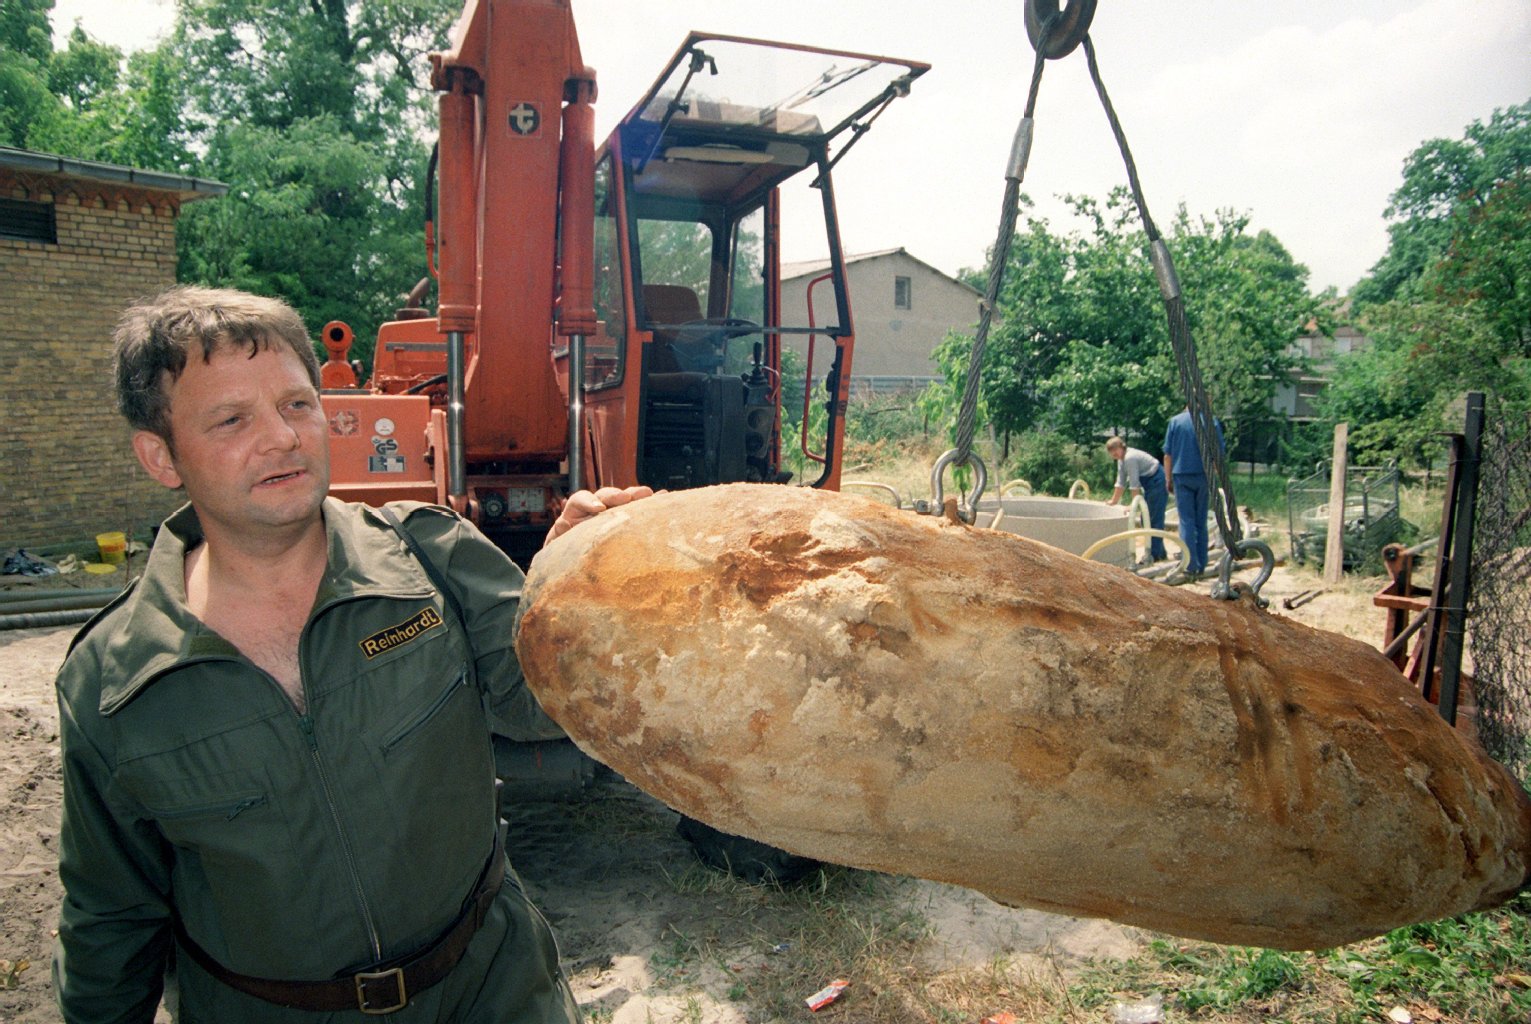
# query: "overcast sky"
[[1297, 113]]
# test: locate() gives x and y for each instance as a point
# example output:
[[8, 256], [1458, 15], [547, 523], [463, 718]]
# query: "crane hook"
[[1072, 26]]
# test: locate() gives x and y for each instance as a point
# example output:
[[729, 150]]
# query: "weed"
[[10, 973], [1244, 975], [1467, 969]]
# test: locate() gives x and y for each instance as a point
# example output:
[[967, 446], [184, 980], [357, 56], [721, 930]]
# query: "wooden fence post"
[[1334, 548]]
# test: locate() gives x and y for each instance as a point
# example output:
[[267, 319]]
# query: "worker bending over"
[[1139, 472]]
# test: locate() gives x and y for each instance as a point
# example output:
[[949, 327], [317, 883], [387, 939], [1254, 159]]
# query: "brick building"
[[78, 242]]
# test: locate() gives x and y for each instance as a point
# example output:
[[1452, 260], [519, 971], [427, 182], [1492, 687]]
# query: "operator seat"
[[692, 426], [671, 304], [668, 307]]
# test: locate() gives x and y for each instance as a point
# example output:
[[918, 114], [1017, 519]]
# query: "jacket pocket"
[[417, 722], [198, 811], [227, 808]]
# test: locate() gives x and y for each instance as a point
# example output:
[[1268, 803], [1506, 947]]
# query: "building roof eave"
[[187, 188], [794, 270]]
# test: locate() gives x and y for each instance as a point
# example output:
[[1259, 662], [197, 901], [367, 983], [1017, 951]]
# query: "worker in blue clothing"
[[1188, 483], [1139, 472]]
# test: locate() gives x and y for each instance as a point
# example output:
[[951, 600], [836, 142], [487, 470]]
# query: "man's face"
[[250, 443]]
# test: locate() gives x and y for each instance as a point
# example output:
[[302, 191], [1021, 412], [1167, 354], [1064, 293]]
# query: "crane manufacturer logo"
[[344, 423], [525, 119]]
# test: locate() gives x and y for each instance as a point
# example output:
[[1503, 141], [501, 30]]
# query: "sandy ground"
[[603, 870]]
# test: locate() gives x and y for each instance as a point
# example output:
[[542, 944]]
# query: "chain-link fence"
[[1500, 623]]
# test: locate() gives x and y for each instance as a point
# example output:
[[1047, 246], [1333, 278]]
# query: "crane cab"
[[683, 383]]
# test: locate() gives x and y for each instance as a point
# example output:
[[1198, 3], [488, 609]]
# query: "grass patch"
[[1475, 968]]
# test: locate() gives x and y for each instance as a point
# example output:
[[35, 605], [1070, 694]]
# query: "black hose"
[[39, 620]]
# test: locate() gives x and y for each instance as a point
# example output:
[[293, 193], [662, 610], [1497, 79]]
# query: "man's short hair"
[[1115, 442], [154, 339]]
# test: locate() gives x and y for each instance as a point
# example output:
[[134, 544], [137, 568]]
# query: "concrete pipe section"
[[1070, 524]]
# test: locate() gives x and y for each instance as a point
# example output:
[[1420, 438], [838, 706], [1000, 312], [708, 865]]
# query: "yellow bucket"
[[114, 547]]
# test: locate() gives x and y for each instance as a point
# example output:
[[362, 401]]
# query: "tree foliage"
[[1448, 307], [86, 100], [1081, 344], [1447, 184], [313, 113], [25, 48]]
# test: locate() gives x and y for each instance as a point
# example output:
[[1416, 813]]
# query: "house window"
[[29, 221], [902, 291]]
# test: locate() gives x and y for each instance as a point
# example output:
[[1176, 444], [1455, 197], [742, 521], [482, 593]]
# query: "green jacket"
[[295, 846]]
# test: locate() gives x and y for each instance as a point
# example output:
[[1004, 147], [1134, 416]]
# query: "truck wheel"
[[745, 859]]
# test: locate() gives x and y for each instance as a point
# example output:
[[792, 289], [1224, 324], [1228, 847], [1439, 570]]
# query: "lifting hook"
[[1072, 26]]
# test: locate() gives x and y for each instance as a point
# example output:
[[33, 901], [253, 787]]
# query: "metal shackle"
[[1224, 589], [937, 489]]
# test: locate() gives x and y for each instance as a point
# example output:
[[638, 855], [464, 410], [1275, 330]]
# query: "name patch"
[[403, 633]]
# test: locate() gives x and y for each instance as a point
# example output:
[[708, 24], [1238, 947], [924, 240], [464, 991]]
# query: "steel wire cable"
[[967, 413], [1214, 464], [1204, 426]]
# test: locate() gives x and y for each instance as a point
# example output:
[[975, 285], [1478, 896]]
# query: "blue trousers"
[[1191, 500], [1156, 498]]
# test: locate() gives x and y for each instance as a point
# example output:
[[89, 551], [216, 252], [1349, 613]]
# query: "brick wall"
[[66, 470]]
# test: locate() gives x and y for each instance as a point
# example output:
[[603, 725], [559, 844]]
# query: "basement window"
[[28, 221], [903, 292]]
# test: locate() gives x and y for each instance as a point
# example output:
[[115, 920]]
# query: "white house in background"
[[1297, 399], [902, 308]]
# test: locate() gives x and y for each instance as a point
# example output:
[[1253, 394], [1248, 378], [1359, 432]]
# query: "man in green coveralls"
[[276, 747]]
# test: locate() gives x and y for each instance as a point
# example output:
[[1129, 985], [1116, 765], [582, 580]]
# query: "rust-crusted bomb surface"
[[890, 691]]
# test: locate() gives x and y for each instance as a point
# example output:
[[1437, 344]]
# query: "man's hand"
[[582, 505]]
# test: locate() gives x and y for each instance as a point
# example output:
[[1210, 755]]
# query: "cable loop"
[[1072, 25]]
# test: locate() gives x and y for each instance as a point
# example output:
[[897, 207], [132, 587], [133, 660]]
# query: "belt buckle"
[[364, 1000]]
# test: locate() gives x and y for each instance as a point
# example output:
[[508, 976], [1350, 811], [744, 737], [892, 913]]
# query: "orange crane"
[[611, 315]]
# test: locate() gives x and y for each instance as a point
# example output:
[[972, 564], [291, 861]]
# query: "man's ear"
[[154, 455]]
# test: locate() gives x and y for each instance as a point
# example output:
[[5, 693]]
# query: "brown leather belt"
[[384, 987]]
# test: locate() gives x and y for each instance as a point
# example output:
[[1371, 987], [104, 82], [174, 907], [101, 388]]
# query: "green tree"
[[1450, 302], [25, 47], [1445, 181], [85, 71], [301, 222], [86, 101], [84, 80], [314, 114], [154, 129], [1081, 344]]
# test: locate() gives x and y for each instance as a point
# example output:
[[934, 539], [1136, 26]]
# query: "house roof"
[[47, 163], [807, 268]]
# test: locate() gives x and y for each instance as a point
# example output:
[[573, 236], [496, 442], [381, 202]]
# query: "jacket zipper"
[[307, 725], [419, 720]]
